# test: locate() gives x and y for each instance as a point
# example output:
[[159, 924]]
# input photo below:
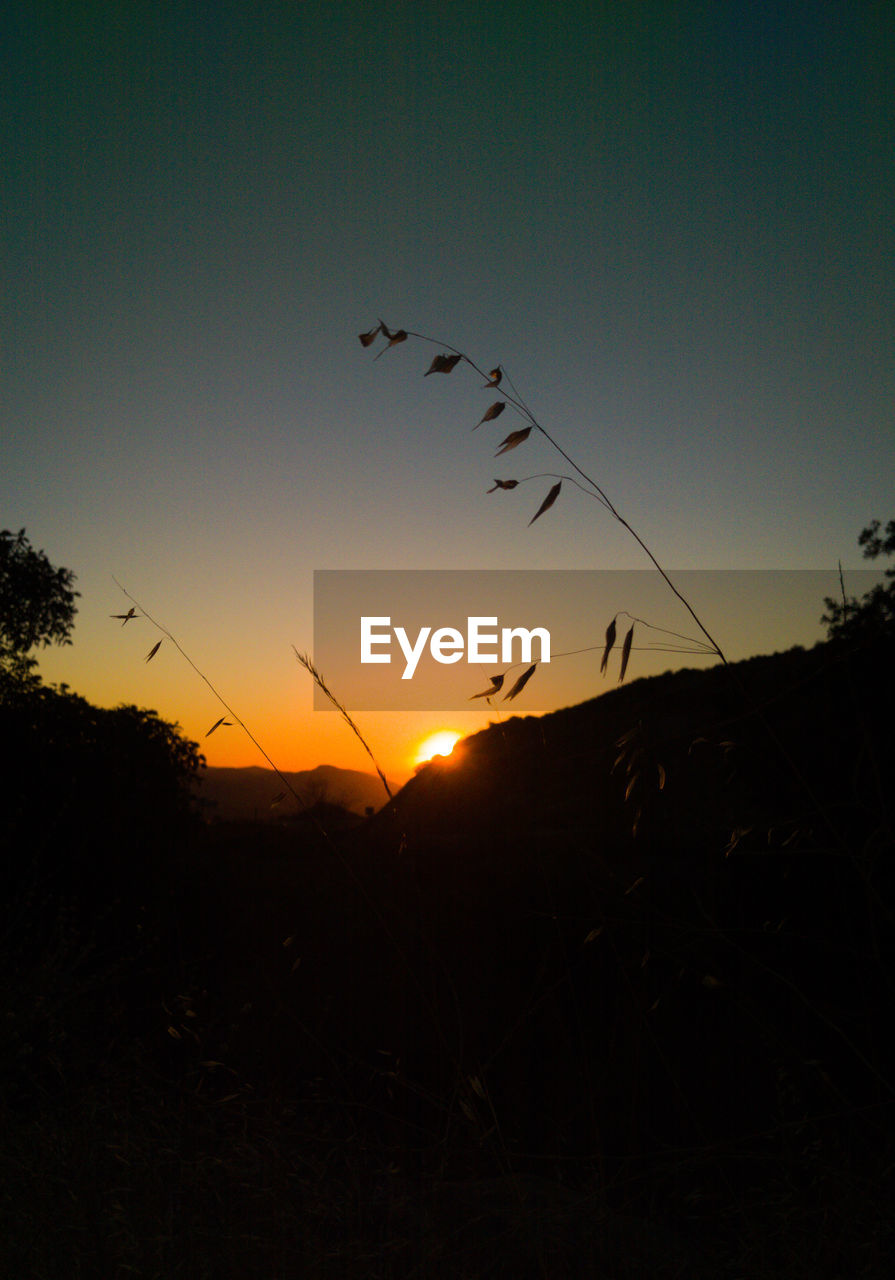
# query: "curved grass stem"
[[593, 489]]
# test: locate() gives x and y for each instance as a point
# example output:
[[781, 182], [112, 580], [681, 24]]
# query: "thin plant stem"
[[202, 676], [600, 495], [520, 405], [321, 684]]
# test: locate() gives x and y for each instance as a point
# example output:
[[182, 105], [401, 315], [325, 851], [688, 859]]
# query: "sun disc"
[[438, 744]]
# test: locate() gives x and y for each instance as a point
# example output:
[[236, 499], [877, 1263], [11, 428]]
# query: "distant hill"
[[770, 743], [658, 904], [248, 794]]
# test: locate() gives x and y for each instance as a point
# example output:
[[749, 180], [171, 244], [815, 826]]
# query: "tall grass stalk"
[[321, 684], [585, 482], [375, 909], [495, 379], [218, 695]]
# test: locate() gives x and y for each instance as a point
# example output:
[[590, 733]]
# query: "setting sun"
[[439, 744]]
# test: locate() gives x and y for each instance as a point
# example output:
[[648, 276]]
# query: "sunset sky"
[[670, 223]]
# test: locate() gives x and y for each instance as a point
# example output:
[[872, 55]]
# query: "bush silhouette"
[[37, 606], [874, 614]]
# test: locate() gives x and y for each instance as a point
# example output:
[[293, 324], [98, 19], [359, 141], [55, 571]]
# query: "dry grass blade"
[[399, 335], [514, 439], [494, 378], [520, 683], [610, 641], [217, 724], [321, 684], [367, 338], [547, 503], [153, 651], [442, 364], [626, 652], [496, 686], [503, 484], [125, 617], [493, 412], [478, 1088]]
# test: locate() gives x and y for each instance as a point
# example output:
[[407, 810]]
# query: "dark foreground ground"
[[608, 995]]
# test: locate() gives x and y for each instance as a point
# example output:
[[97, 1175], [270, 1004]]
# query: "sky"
[[670, 224]]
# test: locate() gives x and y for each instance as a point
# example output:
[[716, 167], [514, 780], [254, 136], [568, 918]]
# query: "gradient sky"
[[671, 223]]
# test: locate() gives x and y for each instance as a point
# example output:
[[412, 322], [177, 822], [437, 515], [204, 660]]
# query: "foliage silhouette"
[[874, 614], [37, 607], [98, 801]]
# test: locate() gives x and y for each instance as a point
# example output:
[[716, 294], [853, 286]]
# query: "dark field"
[[608, 994]]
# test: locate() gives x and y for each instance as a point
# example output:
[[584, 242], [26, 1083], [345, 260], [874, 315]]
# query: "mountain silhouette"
[[669, 761], [248, 794]]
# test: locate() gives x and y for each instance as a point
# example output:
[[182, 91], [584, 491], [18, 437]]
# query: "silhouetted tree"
[[37, 607], [874, 614], [95, 881], [95, 800]]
